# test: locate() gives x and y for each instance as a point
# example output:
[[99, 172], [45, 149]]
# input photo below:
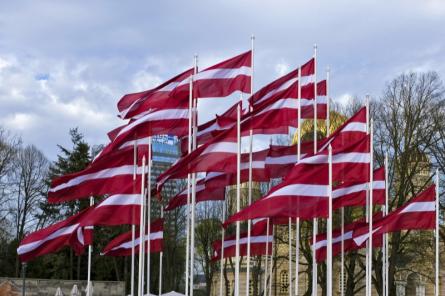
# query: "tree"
[[408, 124]]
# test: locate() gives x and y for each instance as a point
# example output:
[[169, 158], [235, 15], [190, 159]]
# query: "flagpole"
[[367, 210], [342, 255], [222, 251], [267, 260], [189, 150], [385, 236], [133, 226], [90, 250], [150, 152], [238, 197], [329, 242], [290, 257], [271, 261], [141, 230], [315, 221], [161, 254], [297, 226], [436, 288], [371, 202], [252, 39], [192, 240]]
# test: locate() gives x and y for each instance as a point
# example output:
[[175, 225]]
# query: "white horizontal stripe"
[[376, 185], [421, 206], [337, 239], [285, 159], [212, 175], [166, 114], [257, 164], [253, 240], [213, 127], [354, 157], [169, 87], [301, 190], [357, 188], [105, 173], [257, 220], [284, 86], [129, 244], [359, 240], [224, 147], [322, 100], [199, 188], [288, 103], [26, 248], [355, 127], [121, 200], [141, 141], [223, 73]]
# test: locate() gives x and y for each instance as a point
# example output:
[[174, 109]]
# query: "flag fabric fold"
[[53, 238], [122, 244]]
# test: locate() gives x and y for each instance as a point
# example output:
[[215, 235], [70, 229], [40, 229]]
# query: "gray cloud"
[[65, 63]]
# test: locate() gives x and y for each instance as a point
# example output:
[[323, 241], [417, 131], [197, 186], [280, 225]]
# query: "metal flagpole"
[[23, 278], [290, 256], [189, 149], [133, 226], [266, 260], [238, 197], [161, 254], [385, 236], [90, 250], [342, 255], [436, 288], [329, 222], [141, 231], [222, 251], [297, 226], [192, 240], [371, 202], [367, 209], [252, 39], [148, 216], [271, 260], [315, 221]]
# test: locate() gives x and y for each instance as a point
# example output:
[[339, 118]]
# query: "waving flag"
[[202, 194], [418, 213], [347, 238], [107, 175], [259, 239], [53, 238], [121, 245], [304, 191], [160, 97], [282, 84], [224, 78], [354, 194]]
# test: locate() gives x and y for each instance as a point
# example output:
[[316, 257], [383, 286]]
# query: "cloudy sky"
[[66, 63]]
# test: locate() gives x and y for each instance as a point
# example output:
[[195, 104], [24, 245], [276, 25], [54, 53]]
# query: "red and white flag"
[[160, 97], [224, 78], [282, 84], [259, 239], [304, 191], [107, 175], [351, 194], [218, 155], [116, 209], [212, 128], [122, 244], [281, 159], [418, 213], [202, 194], [53, 238], [347, 238]]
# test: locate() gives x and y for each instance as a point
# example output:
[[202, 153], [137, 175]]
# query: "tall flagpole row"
[[90, 250], [315, 220], [141, 230], [238, 197], [161, 254], [149, 164], [250, 176], [193, 203], [436, 286]]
